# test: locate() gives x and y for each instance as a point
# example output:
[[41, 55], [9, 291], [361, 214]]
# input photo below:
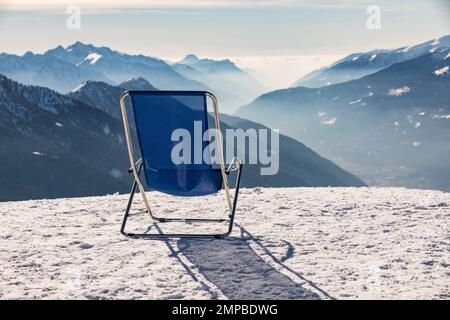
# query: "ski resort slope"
[[289, 243]]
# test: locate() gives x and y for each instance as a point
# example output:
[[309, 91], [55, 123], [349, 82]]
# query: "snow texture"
[[92, 58], [290, 243], [329, 122], [355, 102], [441, 71], [443, 116], [397, 92]]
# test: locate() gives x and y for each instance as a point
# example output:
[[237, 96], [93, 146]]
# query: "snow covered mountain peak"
[[358, 65], [65, 68]]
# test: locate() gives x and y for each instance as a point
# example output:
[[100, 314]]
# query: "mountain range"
[[299, 165], [388, 122], [63, 69], [390, 127], [358, 65], [56, 145], [232, 84]]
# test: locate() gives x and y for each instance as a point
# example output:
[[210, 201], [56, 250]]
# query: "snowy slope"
[[288, 243]]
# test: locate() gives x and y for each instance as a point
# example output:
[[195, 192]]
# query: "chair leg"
[[130, 201], [183, 235], [235, 199]]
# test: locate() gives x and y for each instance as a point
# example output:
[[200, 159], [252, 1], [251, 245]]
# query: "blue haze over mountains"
[[385, 120], [62, 69], [64, 145], [384, 115]]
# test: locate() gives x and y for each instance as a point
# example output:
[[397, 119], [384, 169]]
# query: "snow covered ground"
[[289, 243]]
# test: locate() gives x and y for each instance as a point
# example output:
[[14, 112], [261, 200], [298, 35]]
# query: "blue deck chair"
[[156, 115]]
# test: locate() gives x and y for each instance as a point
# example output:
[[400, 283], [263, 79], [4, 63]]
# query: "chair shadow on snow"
[[239, 272]]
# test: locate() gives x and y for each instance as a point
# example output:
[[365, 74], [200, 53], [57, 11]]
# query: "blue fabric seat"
[[157, 114]]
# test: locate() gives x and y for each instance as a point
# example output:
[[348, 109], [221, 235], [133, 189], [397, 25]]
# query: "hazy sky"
[[245, 30]]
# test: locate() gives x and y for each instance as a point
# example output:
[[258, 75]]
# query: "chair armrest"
[[234, 165], [137, 164]]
